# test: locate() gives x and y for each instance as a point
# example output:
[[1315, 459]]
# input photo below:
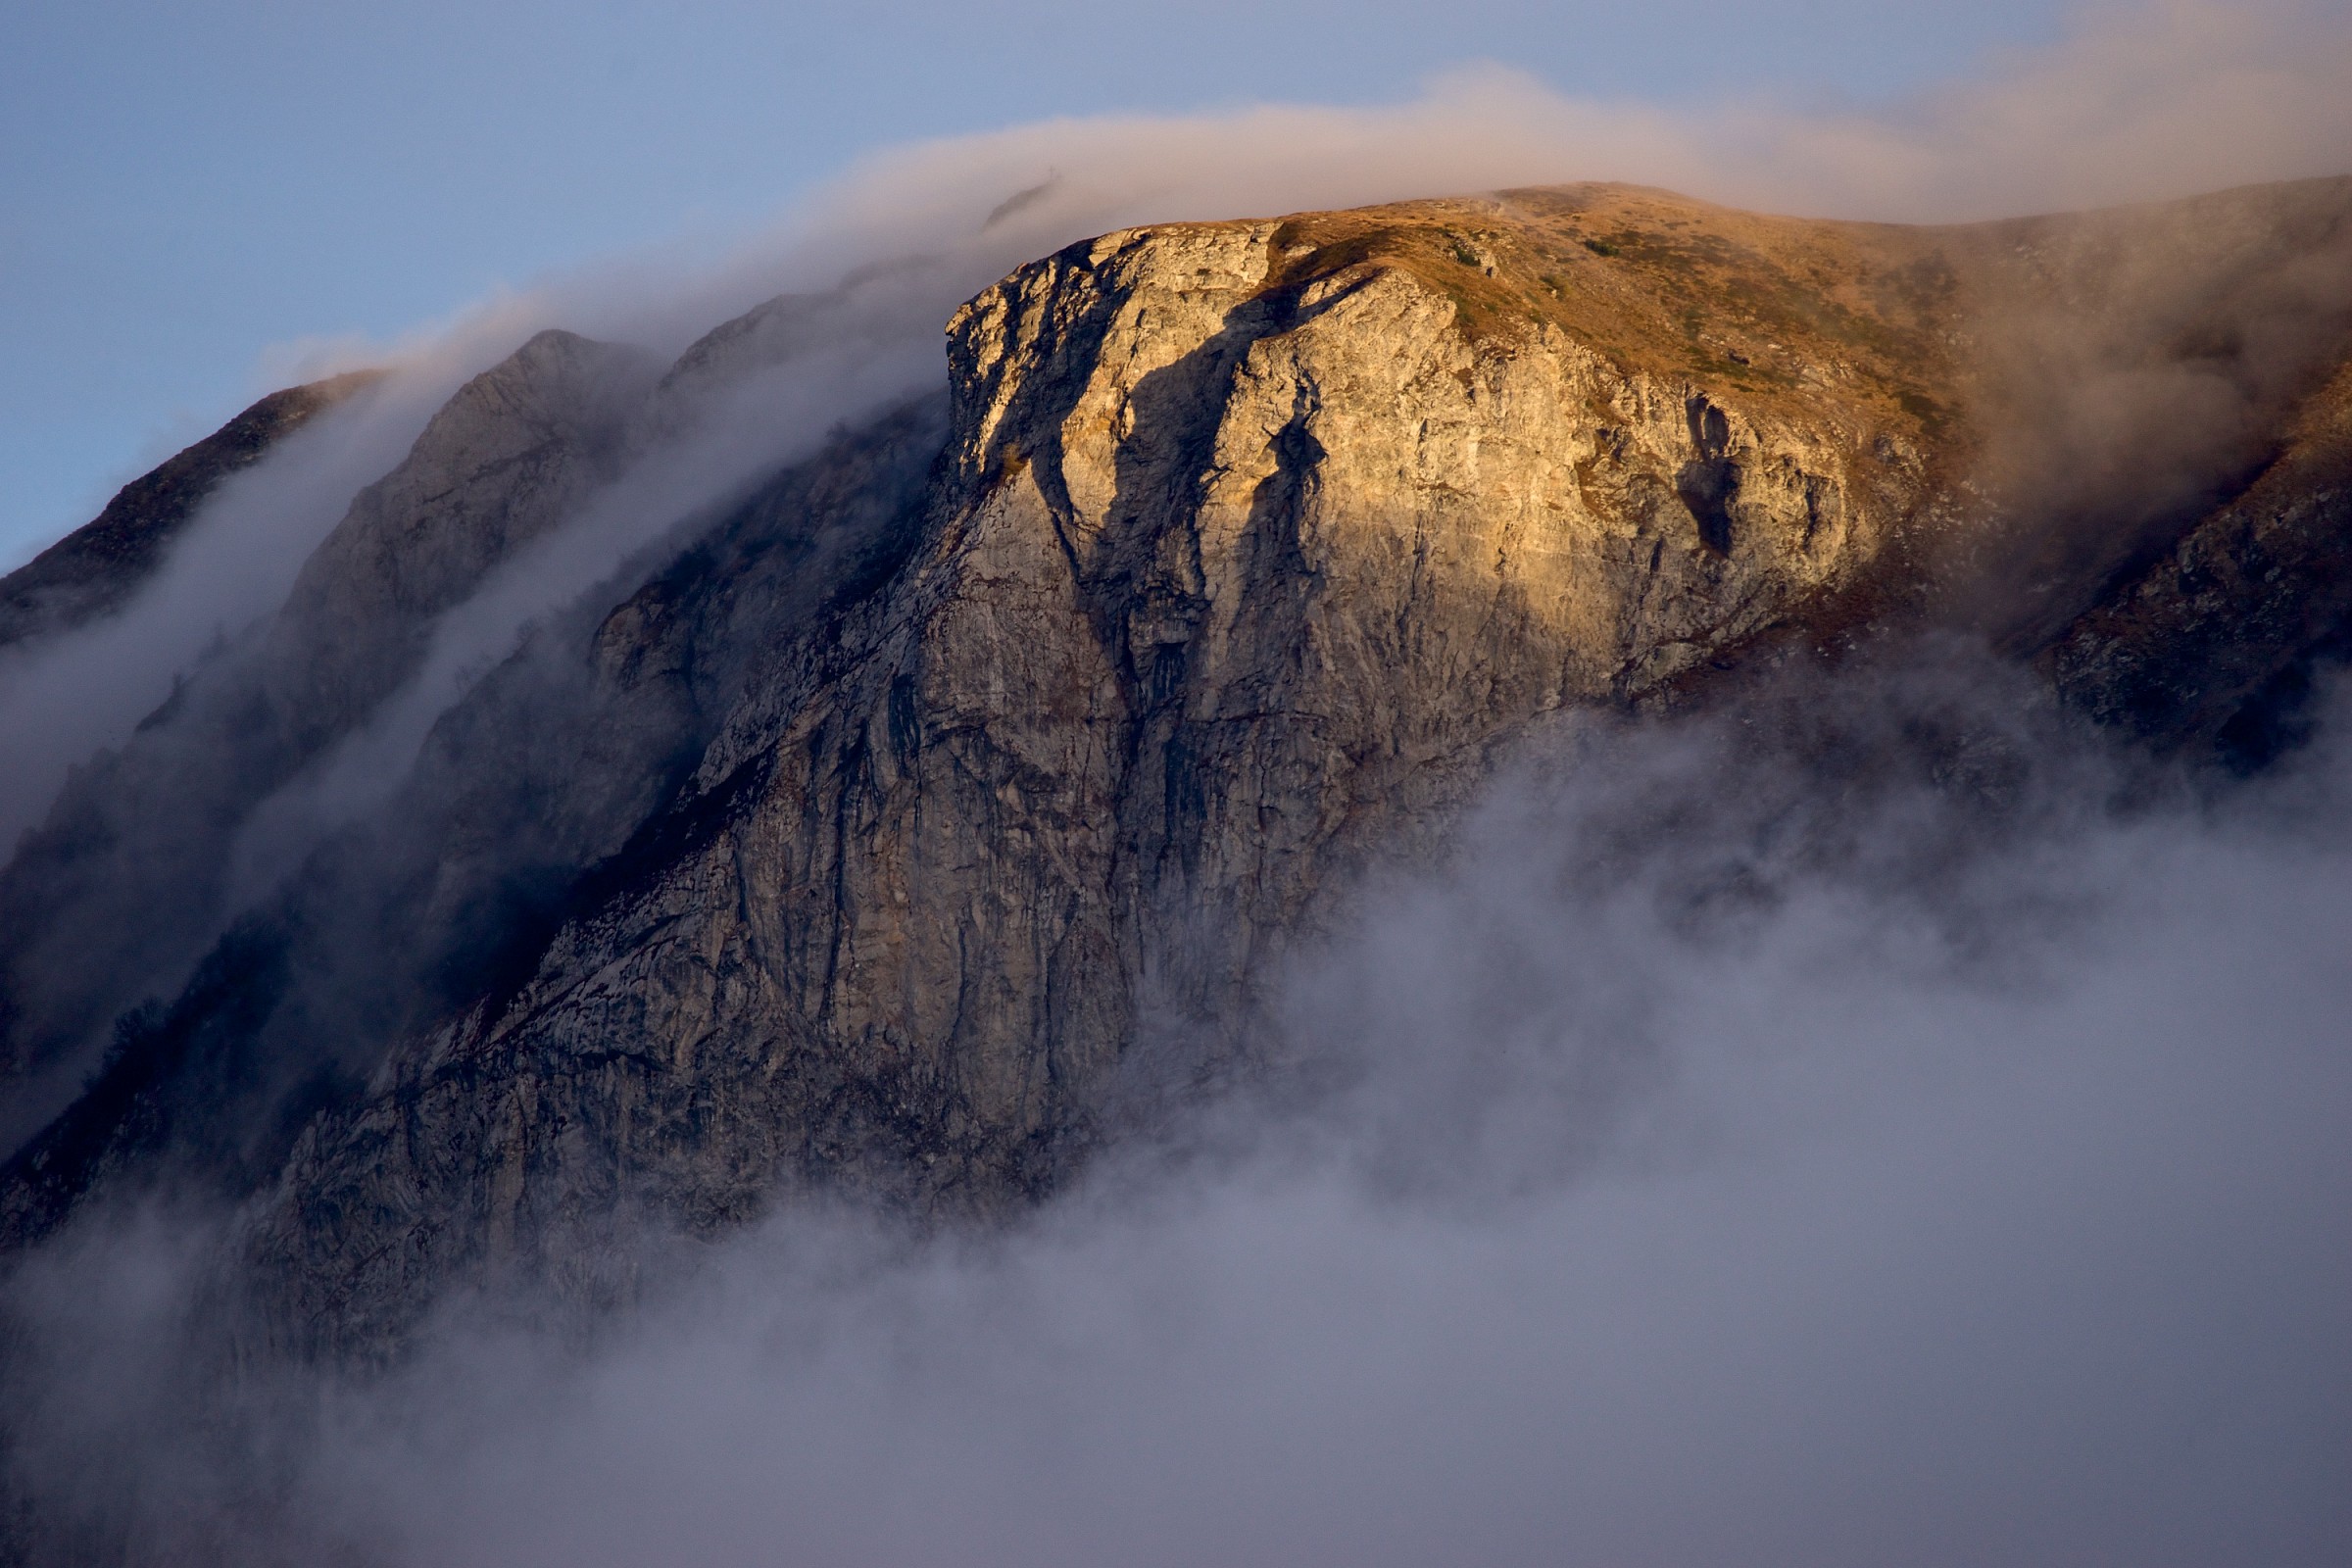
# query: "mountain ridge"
[[94, 570]]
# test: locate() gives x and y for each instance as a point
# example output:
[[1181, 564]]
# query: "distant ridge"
[[94, 569]]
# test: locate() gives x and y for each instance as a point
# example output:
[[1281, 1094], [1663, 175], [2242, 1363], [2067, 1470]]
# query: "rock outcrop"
[[866, 842]]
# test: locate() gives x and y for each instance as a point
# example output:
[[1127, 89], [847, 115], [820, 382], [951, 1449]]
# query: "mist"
[[63, 699], [1879, 1121], [1903, 1160]]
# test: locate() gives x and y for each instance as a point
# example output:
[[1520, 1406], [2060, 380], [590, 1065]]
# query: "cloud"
[[1836, 1174], [2137, 103], [60, 701], [1955, 1182]]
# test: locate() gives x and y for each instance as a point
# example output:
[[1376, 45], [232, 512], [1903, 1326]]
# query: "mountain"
[[889, 825], [94, 570], [120, 884]]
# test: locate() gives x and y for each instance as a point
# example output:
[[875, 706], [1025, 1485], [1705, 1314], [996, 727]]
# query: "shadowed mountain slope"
[[94, 570], [875, 838]]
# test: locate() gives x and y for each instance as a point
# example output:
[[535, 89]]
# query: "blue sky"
[[188, 186]]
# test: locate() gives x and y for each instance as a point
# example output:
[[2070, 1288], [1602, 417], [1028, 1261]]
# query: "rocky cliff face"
[[867, 841]]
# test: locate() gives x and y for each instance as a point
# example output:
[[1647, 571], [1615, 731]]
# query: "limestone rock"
[[2214, 643]]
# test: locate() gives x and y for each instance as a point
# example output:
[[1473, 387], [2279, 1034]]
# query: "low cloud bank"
[[1840, 1132]]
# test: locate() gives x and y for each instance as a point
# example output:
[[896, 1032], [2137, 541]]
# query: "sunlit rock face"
[[872, 839], [1248, 547]]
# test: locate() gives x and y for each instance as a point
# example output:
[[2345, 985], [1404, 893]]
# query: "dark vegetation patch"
[[144, 1094]]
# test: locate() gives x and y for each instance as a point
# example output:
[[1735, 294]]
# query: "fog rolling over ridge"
[[1547, 872]]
